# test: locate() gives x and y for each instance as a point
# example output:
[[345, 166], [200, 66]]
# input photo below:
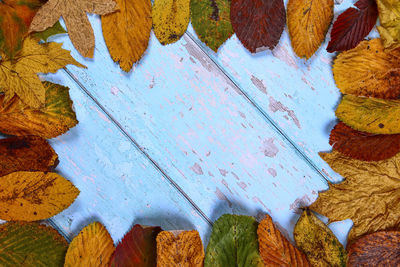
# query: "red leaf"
[[138, 248], [258, 23], [364, 146], [353, 25]]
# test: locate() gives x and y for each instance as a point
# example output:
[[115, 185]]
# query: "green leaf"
[[53, 30], [234, 242]]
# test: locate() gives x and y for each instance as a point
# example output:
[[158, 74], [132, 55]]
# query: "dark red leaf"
[[258, 23], [351, 27]]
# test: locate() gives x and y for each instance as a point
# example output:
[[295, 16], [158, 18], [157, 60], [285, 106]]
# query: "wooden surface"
[[189, 135]]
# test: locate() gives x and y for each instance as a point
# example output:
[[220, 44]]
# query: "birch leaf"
[[389, 17], [49, 32]]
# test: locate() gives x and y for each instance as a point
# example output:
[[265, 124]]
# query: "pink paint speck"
[[197, 169], [114, 90], [272, 172]]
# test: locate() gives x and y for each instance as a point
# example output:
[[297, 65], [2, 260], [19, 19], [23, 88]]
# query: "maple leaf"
[[33, 196], [368, 195], [138, 248], [31, 244], [19, 77], [93, 246], [318, 242], [371, 115], [180, 248], [170, 19], [377, 249], [211, 21], [29, 153], [353, 25], [368, 70], [389, 17], [127, 32], [275, 249], [308, 23], [258, 24], [76, 21]]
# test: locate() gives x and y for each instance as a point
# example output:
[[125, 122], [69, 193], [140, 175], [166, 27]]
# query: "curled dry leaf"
[[371, 115], [138, 248], [30, 244], [368, 195], [170, 19], [308, 23], [362, 145], [211, 21], [389, 17], [368, 70], [377, 249], [49, 32], [56, 118], [318, 242], [74, 14], [179, 248], [353, 25], [33, 196], [127, 31], [275, 249], [93, 246], [258, 24]]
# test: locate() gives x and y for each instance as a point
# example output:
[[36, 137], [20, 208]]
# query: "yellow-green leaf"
[[389, 17], [49, 32]]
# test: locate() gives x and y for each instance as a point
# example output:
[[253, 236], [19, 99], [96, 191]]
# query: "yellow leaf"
[[371, 115], [93, 246], [368, 70], [127, 31], [369, 195], [308, 23], [33, 196], [19, 77], [389, 17]]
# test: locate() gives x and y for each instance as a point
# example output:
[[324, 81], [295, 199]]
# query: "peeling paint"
[[197, 169], [221, 196], [223, 172], [283, 54], [272, 172], [259, 84], [299, 203], [275, 106], [269, 149]]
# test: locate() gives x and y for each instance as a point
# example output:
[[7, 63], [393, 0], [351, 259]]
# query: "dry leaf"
[[275, 250], [170, 19], [369, 195], [93, 246], [377, 249], [389, 17], [257, 23], [364, 146], [33, 196], [308, 22], [74, 14], [127, 31], [318, 242], [371, 115], [28, 153], [179, 248], [368, 70], [56, 118], [19, 77], [49, 32]]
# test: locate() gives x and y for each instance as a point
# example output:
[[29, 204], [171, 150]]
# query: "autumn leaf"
[[389, 17], [76, 21], [258, 24], [29, 153], [15, 18], [19, 77], [318, 242], [308, 23], [353, 25], [275, 250], [371, 115], [30, 244], [368, 70], [377, 249], [127, 31], [33, 196], [138, 248], [56, 118], [234, 242], [368, 195], [49, 32], [180, 248], [170, 19], [93, 246], [211, 21]]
